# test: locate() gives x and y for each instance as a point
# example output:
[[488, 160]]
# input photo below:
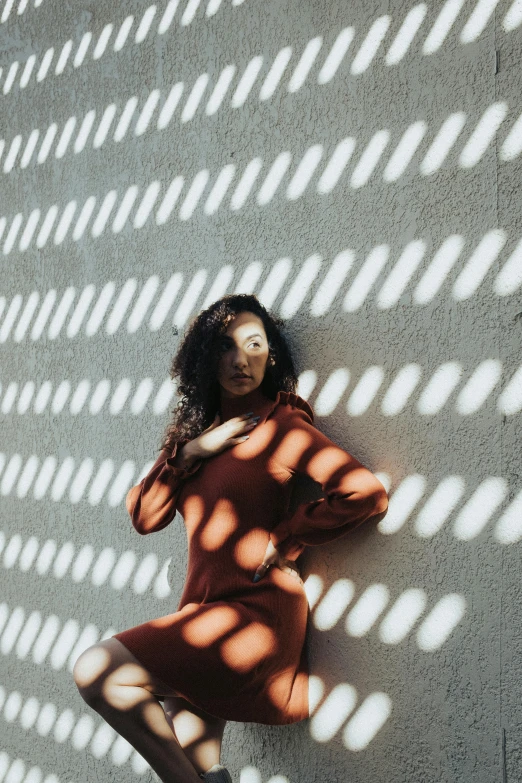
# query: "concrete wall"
[[357, 165]]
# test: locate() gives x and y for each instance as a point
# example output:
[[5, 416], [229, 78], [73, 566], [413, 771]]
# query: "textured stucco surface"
[[450, 704]]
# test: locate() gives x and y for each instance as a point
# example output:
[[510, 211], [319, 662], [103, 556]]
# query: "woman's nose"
[[239, 360]]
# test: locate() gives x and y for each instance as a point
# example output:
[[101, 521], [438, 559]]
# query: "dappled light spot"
[[438, 270], [245, 184], [478, 388], [122, 570], [384, 478], [370, 45], [328, 289], [89, 667], [335, 55], [28, 70], [63, 58], [442, 26], [247, 549], [210, 625], [513, 18], [442, 143], [336, 165], [305, 63], [193, 195], [313, 587], [315, 692], [408, 31], [480, 507], [273, 178], [123, 33], [28, 152], [11, 551], [275, 281], [333, 604], [439, 388], [364, 393], [250, 775], [478, 20], [275, 73], [365, 278], [145, 573], [299, 289], [404, 499], [248, 647], [478, 264], [509, 279], [103, 566], [11, 75], [332, 713], [439, 506], [509, 527], [512, 145], [332, 392], [483, 134], [45, 65], [219, 189], [169, 106], [81, 52], [369, 159], [220, 525], [367, 609], [396, 282], [400, 389], [194, 99], [370, 717], [220, 286], [145, 23], [441, 621], [246, 82], [402, 616]]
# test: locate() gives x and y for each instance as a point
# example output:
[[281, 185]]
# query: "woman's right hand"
[[219, 437]]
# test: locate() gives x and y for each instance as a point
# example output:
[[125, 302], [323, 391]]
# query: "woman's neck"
[[236, 406]]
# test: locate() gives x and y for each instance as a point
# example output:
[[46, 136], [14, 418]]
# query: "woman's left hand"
[[273, 557]]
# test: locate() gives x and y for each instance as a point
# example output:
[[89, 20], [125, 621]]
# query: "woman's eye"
[[224, 346]]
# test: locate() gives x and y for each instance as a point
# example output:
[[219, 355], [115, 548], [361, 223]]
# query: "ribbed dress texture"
[[236, 648]]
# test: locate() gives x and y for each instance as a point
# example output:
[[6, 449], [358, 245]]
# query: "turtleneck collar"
[[254, 401]]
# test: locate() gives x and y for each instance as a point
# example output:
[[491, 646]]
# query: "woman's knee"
[[90, 672]]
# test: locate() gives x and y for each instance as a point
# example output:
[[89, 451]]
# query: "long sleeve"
[[352, 494], [152, 503]]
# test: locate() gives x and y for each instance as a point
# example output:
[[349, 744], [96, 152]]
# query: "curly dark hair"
[[196, 364]]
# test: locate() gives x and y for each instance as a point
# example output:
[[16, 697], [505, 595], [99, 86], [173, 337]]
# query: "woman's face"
[[244, 349]]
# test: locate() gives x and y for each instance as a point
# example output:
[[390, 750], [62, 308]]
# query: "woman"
[[235, 648]]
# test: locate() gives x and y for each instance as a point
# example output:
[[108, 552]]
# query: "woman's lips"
[[240, 378]]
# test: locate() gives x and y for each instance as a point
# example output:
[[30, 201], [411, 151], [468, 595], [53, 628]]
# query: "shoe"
[[217, 774]]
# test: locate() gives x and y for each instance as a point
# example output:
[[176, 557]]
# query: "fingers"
[[252, 423], [291, 570], [288, 567], [235, 441], [261, 571], [248, 426]]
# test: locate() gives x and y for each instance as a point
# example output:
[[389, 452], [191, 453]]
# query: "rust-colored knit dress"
[[236, 648]]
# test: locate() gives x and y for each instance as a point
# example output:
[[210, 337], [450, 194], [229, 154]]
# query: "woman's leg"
[[199, 734], [114, 683]]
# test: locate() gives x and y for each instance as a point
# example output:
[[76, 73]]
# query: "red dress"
[[236, 648]]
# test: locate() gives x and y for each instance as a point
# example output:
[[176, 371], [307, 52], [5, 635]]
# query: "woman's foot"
[[216, 774]]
